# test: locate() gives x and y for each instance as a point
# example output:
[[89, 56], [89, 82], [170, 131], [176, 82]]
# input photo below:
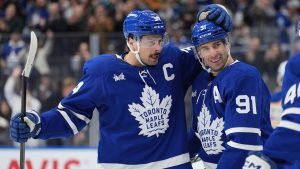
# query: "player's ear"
[[132, 42]]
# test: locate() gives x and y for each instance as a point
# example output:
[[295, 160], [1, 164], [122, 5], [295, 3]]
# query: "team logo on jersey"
[[119, 77], [194, 93], [209, 132], [153, 114]]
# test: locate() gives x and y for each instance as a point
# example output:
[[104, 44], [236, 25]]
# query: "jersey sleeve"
[[245, 115], [191, 66], [75, 111], [193, 141], [283, 143]]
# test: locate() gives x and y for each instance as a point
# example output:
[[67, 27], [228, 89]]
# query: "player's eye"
[[151, 43]]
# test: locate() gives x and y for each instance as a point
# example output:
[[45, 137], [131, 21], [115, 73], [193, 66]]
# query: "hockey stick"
[[25, 76]]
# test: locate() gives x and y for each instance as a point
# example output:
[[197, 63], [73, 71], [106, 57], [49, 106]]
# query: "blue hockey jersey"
[[142, 119], [230, 116], [283, 145]]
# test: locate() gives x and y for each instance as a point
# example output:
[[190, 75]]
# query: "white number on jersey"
[[244, 104]]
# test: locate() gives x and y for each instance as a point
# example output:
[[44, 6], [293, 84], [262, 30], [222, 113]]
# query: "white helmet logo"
[[156, 18]]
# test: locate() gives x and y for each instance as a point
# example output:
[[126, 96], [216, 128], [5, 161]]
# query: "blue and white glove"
[[218, 14], [258, 160], [21, 131]]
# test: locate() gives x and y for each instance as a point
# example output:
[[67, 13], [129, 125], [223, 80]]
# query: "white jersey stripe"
[[69, 121], [170, 162], [209, 165], [243, 130], [289, 125], [81, 117], [291, 111], [245, 146]]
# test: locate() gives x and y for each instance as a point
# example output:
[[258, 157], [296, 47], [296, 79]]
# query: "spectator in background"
[[41, 62], [37, 16], [12, 20], [293, 7], [261, 17], [56, 21], [12, 92], [254, 53], [5, 114], [296, 45], [188, 14], [271, 60], [13, 51], [77, 61], [241, 39], [77, 21], [49, 97], [100, 22]]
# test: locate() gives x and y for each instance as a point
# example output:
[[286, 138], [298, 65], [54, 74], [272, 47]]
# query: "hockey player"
[[230, 102], [282, 147], [139, 96]]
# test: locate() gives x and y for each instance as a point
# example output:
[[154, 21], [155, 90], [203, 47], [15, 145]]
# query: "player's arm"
[[289, 127], [71, 115], [194, 142], [243, 120], [281, 146]]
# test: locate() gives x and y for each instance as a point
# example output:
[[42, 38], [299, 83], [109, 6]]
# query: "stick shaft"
[[23, 111]]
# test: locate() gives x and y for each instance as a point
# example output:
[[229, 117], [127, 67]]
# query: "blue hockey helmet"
[[144, 22], [206, 31]]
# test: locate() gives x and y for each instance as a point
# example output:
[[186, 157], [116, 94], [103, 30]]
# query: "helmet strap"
[[201, 61], [137, 52]]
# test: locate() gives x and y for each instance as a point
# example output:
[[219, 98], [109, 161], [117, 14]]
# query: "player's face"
[[150, 48], [214, 55]]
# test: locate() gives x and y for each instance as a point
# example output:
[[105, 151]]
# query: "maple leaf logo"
[[152, 115], [210, 133]]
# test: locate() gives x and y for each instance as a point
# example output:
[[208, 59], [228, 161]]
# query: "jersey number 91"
[[244, 103]]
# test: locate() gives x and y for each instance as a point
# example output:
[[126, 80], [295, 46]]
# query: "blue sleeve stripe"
[[69, 121], [289, 125], [79, 116], [291, 111], [247, 147], [243, 130]]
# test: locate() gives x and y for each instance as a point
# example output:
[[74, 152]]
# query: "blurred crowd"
[[263, 36]]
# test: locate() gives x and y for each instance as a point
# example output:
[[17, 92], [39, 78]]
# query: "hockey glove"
[[258, 160], [21, 131], [218, 14]]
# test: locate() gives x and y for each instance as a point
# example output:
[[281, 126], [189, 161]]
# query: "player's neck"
[[130, 59]]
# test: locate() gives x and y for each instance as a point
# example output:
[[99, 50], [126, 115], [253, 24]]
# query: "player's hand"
[[21, 131], [258, 160], [218, 14]]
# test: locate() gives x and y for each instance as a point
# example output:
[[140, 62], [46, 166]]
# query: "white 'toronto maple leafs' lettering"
[[152, 115], [210, 133]]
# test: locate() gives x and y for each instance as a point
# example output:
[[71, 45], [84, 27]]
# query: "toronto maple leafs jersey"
[[230, 116], [283, 144], [142, 118]]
